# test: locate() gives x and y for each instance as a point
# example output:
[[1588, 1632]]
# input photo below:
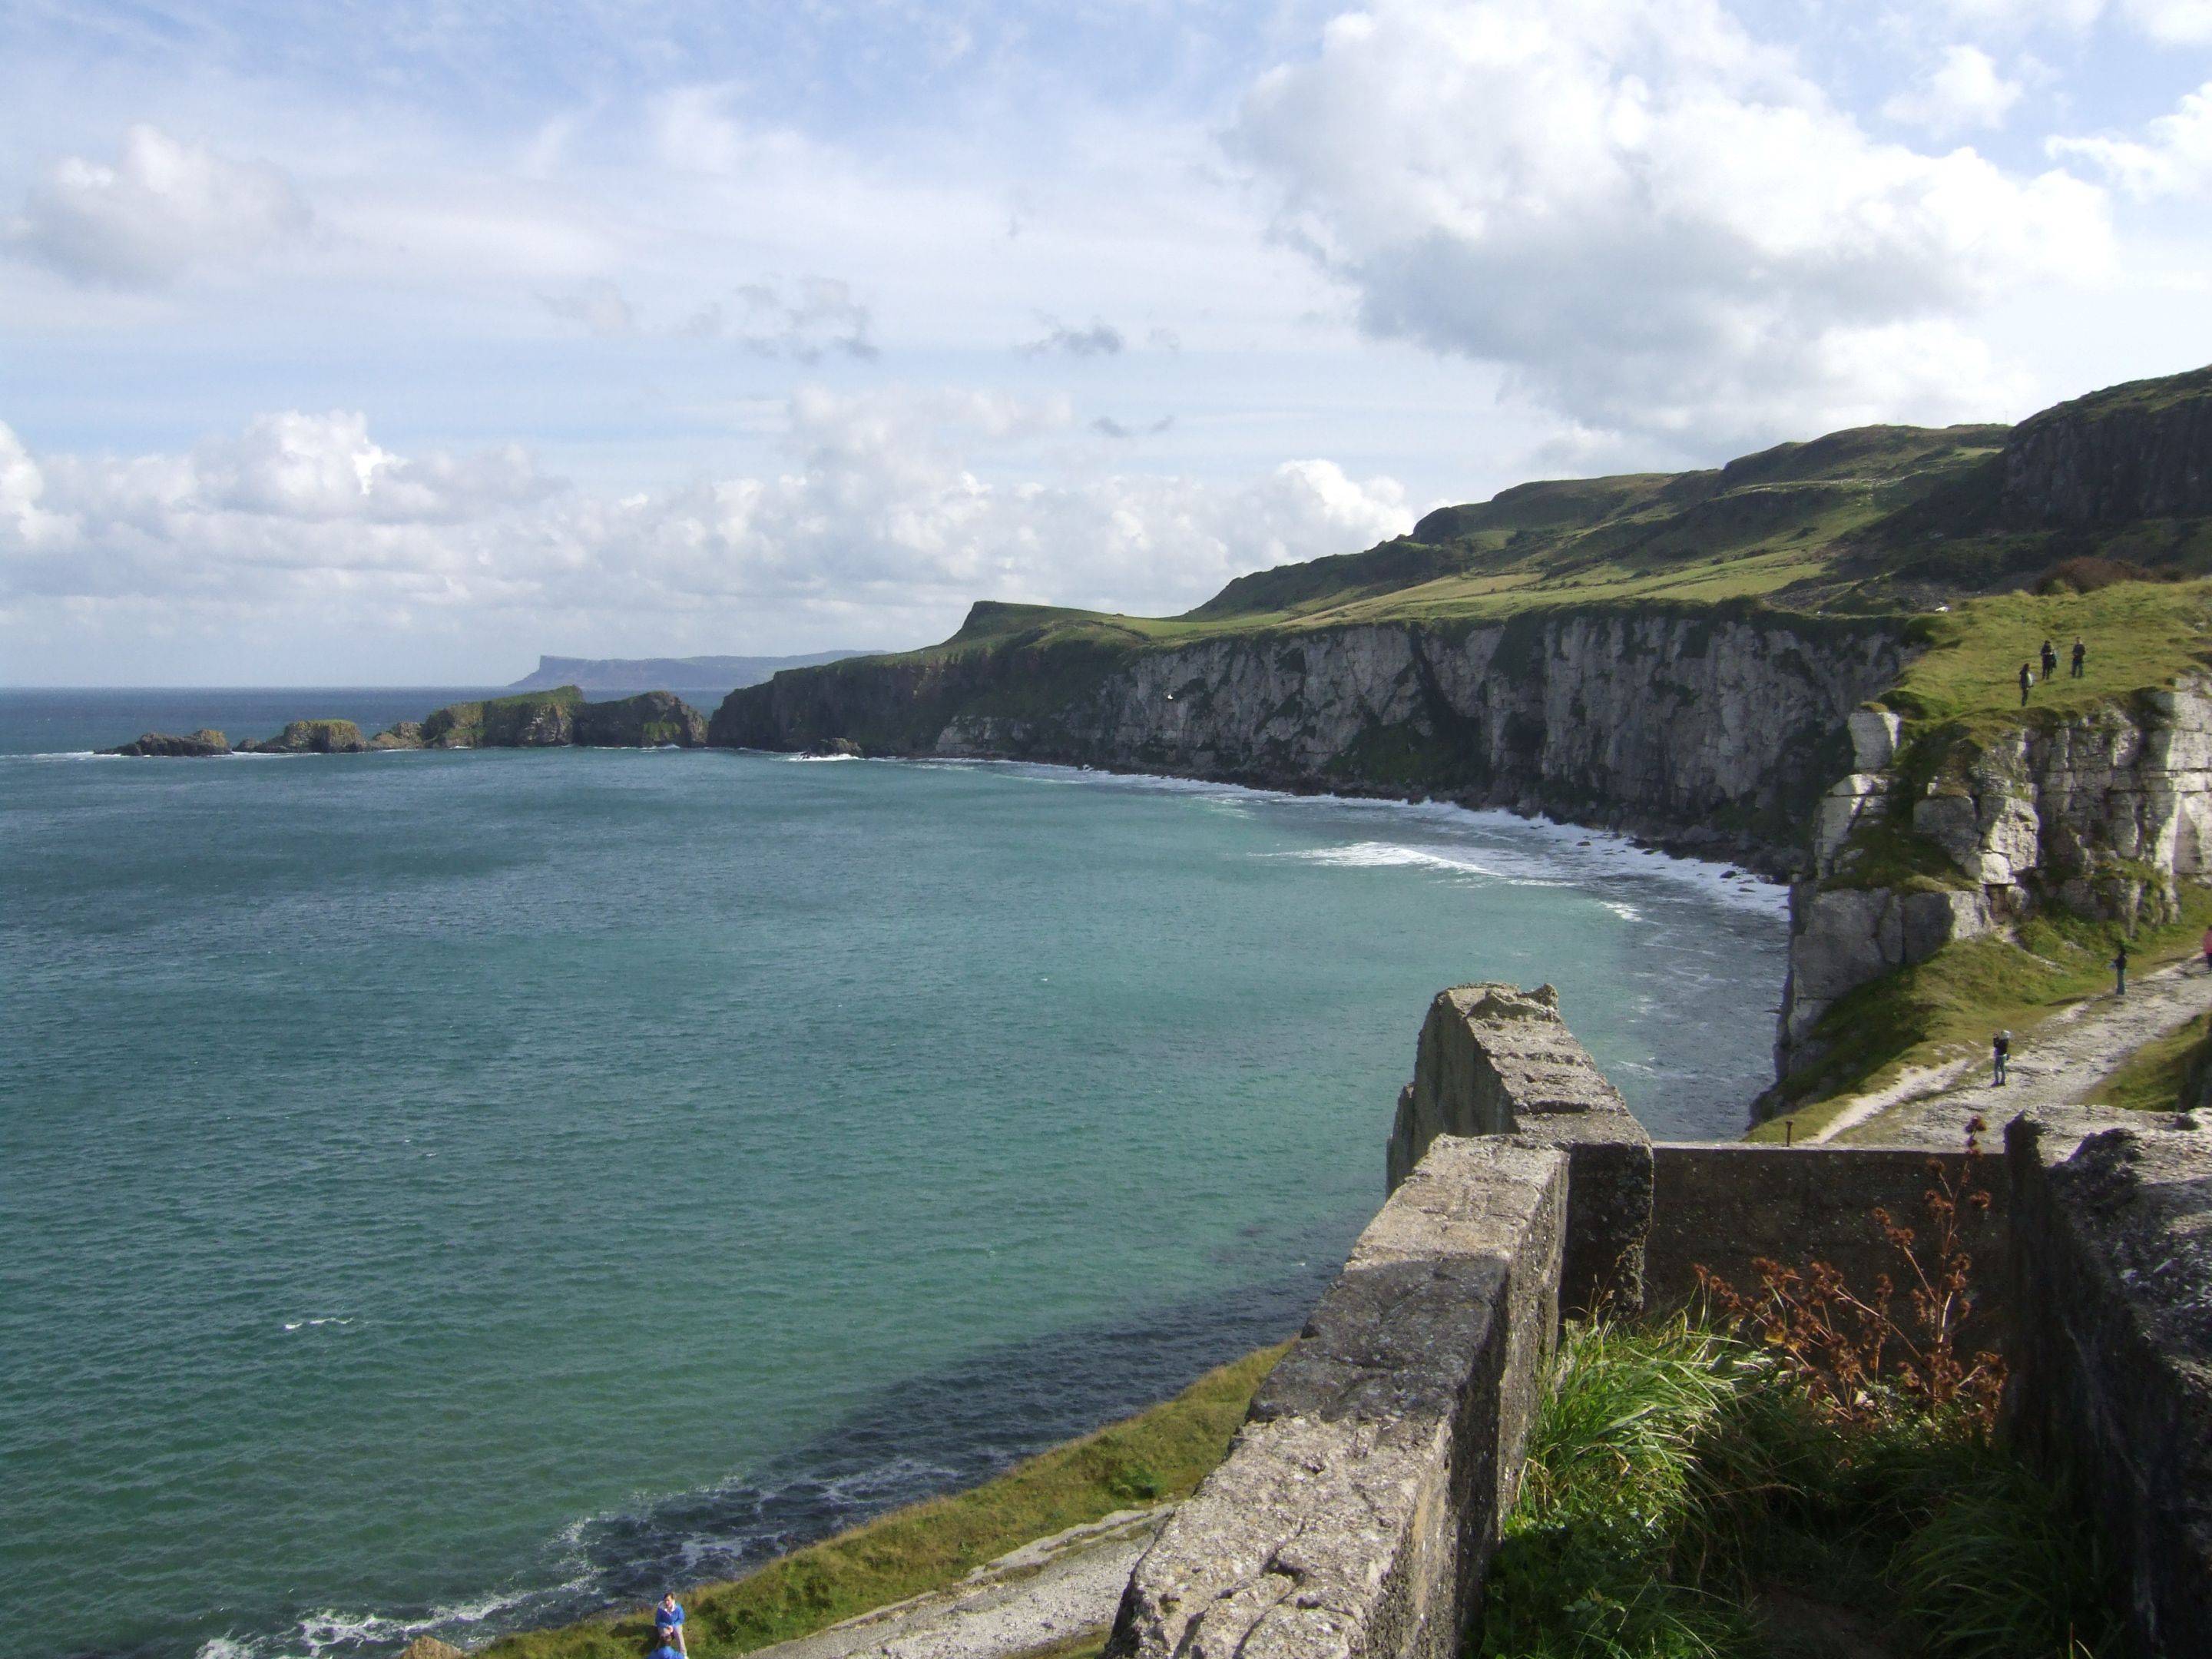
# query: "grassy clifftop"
[[1885, 520]]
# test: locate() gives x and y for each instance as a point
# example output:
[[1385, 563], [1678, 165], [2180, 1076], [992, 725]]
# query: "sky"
[[399, 344]]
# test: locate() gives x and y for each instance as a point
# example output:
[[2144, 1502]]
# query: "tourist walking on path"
[[2000, 1051], [2080, 655], [2120, 971], [2208, 950], [668, 1625], [2049, 659], [2026, 679]]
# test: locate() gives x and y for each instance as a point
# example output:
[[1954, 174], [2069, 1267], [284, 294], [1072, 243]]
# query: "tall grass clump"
[[1683, 1491]]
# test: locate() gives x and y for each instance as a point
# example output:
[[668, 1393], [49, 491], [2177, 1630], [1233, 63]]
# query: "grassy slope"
[[2154, 1077], [1160, 1454], [1960, 694]]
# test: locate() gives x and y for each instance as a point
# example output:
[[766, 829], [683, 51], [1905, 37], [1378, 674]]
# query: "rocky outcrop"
[[2101, 813], [198, 744], [312, 738], [543, 719], [833, 748], [2133, 452], [1712, 727], [652, 719], [401, 734]]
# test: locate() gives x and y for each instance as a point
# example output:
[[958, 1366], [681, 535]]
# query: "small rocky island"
[[558, 719]]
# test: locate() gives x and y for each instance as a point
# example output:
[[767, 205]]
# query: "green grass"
[[1951, 1004], [1675, 1490], [1158, 1454], [2154, 1077], [2140, 634]]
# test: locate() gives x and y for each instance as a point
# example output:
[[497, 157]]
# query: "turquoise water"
[[442, 1192]]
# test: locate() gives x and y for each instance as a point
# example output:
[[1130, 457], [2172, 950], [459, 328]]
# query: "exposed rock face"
[[835, 749], [2115, 456], [651, 719], [1716, 729], [2101, 812], [194, 745], [312, 738], [430, 1647], [401, 734]]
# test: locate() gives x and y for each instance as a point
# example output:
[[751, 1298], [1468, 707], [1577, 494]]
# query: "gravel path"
[[2058, 1064], [1039, 1597]]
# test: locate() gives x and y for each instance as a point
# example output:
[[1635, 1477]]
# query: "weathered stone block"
[[2110, 1355], [1874, 738], [1498, 1059], [1359, 1505]]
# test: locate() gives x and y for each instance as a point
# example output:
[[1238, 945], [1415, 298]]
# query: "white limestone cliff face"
[[2101, 814], [1713, 732]]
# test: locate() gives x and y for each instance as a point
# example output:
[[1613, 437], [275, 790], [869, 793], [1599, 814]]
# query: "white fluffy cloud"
[[882, 518], [1652, 221], [1961, 89], [162, 207], [2174, 157]]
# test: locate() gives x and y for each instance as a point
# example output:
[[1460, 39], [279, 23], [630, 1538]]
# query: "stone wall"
[[2111, 1352], [1723, 1204], [1360, 1502], [1496, 1059], [1358, 1508]]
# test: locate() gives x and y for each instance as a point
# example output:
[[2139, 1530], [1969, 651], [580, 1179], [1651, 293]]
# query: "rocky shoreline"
[[558, 719]]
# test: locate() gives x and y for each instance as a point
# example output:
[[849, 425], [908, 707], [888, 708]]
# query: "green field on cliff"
[[1886, 521]]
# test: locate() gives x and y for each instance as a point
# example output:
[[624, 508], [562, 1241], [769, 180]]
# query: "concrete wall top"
[[1359, 1504]]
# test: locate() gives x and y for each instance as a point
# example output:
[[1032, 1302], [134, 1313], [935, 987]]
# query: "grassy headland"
[[1160, 1454]]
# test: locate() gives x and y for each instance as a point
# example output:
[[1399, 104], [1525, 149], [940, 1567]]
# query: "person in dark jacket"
[[2080, 655], [2120, 971], [2049, 659], [2000, 1052], [2026, 679]]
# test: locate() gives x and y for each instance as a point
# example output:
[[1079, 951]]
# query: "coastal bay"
[[453, 1191]]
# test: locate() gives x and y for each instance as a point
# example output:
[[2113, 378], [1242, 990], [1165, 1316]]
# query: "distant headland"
[[699, 676]]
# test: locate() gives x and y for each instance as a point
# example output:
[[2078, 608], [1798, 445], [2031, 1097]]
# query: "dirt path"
[[2060, 1063], [1035, 1599]]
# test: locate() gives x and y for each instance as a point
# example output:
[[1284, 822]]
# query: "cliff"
[[2094, 800], [197, 746], [2134, 451], [652, 719], [1712, 727]]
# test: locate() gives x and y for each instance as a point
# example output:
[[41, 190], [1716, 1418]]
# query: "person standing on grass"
[[668, 1625], [2208, 950], [2026, 679], [2049, 659], [2120, 971], [2000, 1052], [2080, 655]]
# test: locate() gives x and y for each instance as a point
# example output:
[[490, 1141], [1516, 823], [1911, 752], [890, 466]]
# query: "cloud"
[[1961, 89], [599, 306], [809, 319], [1106, 427], [2173, 159], [1653, 222], [164, 208], [887, 513], [1099, 340]]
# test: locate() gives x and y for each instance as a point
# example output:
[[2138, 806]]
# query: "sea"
[[442, 1193]]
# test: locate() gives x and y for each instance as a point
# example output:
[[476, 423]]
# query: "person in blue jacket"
[[665, 1651], [668, 1625]]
